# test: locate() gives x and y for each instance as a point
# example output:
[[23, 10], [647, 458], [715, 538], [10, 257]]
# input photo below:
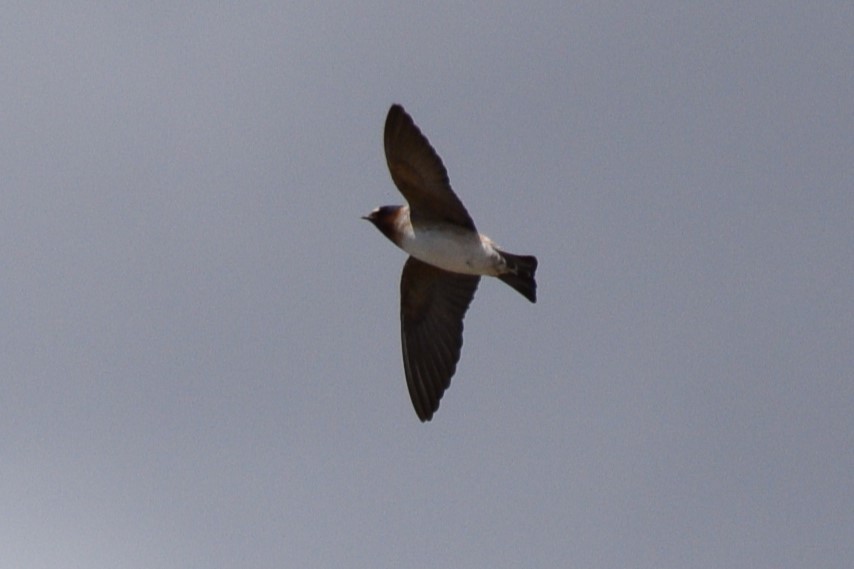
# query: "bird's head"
[[385, 218]]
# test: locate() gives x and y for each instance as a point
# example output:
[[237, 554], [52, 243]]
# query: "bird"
[[447, 258]]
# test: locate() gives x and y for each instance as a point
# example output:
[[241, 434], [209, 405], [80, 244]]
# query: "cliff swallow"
[[447, 257]]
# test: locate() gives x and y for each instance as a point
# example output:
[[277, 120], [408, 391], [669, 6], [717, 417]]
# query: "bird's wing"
[[433, 303], [419, 174]]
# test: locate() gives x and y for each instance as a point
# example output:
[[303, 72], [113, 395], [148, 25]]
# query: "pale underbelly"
[[459, 255]]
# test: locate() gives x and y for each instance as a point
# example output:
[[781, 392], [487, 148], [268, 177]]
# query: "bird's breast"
[[458, 251]]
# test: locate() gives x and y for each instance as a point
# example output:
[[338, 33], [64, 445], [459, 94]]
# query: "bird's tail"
[[520, 274]]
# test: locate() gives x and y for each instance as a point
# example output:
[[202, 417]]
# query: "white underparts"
[[453, 249]]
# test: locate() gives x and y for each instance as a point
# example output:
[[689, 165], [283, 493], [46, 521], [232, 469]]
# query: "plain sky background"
[[199, 338]]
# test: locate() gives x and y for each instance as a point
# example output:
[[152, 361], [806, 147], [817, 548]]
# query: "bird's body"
[[445, 245], [447, 258]]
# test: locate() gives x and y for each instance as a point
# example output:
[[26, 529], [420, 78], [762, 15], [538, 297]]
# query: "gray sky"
[[199, 340]]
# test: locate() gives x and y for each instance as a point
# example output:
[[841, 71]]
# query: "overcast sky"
[[199, 338]]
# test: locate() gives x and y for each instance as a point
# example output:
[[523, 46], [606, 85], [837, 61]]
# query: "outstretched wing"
[[419, 174], [433, 303]]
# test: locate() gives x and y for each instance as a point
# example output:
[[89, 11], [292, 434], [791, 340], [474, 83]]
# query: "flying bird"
[[447, 257]]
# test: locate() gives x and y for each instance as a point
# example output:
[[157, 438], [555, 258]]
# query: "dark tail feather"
[[520, 274]]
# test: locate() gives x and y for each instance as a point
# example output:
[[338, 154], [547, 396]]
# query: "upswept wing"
[[419, 174]]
